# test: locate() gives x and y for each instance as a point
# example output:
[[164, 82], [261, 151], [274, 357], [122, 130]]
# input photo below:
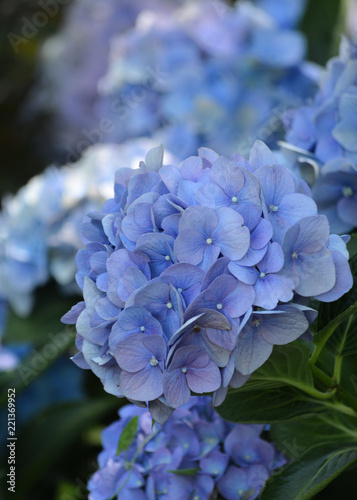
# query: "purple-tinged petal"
[[240, 300], [90, 294], [176, 390], [139, 221], [133, 279], [135, 352], [144, 385], [190, 246], [226, 174], [238, 379], [135, 319], [232, 238], [292, 208], [276, 182], [219, 355], [247, 275], [251, 351], [171, 176], [338, 244], [261, 156], [201, 219], [313, 235], [261, 235], [208, 156], [70, 318], [344, 279], [192, 168], [158, 247], [217, 269], [186, 278], [78, 359], [189, 356], [212, 196], [271, 289], [140, 184], [273, 260], [316, 273], [214, 463], [281, 329], [159, 411], [106, 309], [206, 379], [347, 210], [252, 257]]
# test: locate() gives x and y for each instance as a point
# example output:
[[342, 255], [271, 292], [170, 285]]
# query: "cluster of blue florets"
[[205, 74], [71, 63], [212, 455], [193, 272], [190, 74], [324, 136]]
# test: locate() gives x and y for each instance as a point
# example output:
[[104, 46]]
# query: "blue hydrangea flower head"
[[205, 74], [229, 458], [189, 280], [321, 136]]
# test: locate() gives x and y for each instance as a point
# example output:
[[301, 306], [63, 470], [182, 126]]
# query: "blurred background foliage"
[[57, 449]]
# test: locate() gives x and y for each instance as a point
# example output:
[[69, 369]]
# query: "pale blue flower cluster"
[[323, 136], [39, 226], [212, 455], [71, 63], [192, 273], [206, 74]]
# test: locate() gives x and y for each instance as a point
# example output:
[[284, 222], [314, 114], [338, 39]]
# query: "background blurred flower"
[[155, 462], [322, 140]]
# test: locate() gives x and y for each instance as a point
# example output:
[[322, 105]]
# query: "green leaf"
[[321, 338], [310, 473], [185, 472], [278, 391], [344, 339], [294, 438], [268, 406], [128, 434], [322, 31], [67, 491], [288, 365], [44, 440]]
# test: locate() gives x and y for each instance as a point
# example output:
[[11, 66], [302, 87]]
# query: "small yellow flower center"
[[153, 361]]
